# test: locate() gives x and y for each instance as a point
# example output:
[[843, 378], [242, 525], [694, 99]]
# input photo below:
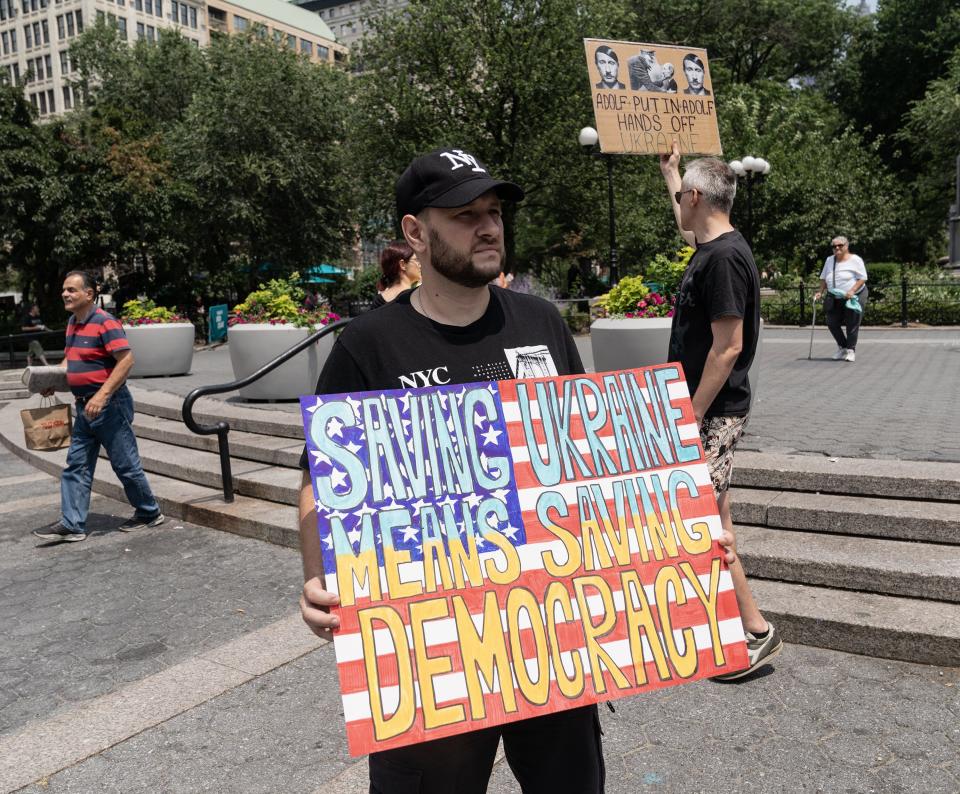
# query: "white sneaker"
[[841, 354], [850, 356]]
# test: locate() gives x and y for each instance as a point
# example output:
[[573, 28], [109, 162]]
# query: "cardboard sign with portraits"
[[645, 96]]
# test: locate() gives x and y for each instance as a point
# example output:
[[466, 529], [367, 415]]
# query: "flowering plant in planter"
[[146, 312], [280, 302], [652, 294]]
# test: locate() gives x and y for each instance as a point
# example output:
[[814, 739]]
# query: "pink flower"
[[628, 314], [670, 313], [642, 304]]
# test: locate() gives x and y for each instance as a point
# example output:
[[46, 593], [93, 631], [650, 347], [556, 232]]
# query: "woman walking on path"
[[843, 286]]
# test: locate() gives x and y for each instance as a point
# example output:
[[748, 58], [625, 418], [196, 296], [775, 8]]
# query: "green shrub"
[[881, 273], [280, 302], [625, 296], [146, 312]]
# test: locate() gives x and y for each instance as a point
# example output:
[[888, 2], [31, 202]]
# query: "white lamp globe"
[[765, 169], [750, 163], [737, 167], [588, 136]]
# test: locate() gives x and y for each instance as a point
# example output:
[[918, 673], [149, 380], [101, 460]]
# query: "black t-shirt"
[[720, 281], [396, 347], [29, 321], [378, 301]]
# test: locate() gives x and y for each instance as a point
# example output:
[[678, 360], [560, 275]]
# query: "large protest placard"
[[645, 96], [507, 549]]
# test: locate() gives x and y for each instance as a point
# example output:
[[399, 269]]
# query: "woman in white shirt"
[[844, 272]]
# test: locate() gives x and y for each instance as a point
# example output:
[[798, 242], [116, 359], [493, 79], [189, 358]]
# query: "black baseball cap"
[[447, 178]]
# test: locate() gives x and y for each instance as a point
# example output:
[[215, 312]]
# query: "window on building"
[[5, 42], [148, 6], [60, 29], [122, 26], [33, 5], [79, 17], [141, 31], [323, 52], [70, 27], [64, 62], [42, 96], [48, 62], [240, 24], [138, 4], [306, 47], [43, 3], [174, 10], [260, 30], [292, 41], [193, 17], [158, 8], [67, 98], [51, 101], [100, 15], [151, 33], [16, 73], [27, 36], [121, 3]]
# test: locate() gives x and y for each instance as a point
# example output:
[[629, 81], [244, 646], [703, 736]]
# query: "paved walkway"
[[898, 400], [174, 659]]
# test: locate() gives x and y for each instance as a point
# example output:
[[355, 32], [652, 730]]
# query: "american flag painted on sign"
[[507, 549]]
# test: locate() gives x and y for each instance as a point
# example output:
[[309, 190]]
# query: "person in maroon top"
[[98, 359]]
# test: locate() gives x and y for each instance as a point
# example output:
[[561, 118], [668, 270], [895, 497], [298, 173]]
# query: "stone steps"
[[871, 564], [867, 516], [886, 567]]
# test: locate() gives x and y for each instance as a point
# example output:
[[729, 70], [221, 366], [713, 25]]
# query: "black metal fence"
[[14, 348], [902, 302]]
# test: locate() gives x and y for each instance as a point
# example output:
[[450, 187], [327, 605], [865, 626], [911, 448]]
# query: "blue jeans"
[[112, 430]]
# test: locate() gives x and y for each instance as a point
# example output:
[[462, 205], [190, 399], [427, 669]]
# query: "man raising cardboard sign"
[[443, 528], [654, 109]]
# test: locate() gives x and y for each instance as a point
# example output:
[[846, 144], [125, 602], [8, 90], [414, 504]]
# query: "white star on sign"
[[405, 402], [319, 457], [337, 426], [354, 406], [510, 531], [501, 494], [478, 419], [355, 534], [419, 505], [312, 408], [460, 395], [472, 500], [353, 447], [410, 533], [366, 510], [338, 479], [491, 436], [328, 541]]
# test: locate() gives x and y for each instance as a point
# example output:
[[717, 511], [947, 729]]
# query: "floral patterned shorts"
[[719, 436]]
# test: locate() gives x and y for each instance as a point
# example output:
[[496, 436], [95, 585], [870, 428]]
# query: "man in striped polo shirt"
[[98, 358]]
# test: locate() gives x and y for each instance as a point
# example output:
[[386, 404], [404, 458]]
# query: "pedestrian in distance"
[[31, 322], [400, 269], [716, 326], [455, 326], [98, 359], [843, 288]]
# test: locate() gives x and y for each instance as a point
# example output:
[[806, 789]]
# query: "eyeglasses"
[[833, 245], [677, 196]]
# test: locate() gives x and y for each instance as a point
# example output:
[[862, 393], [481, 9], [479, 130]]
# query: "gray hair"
[[714, 180], [840, 239]]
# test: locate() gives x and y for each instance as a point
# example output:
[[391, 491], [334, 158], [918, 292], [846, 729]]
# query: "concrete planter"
[[629, 343], [160, 349], [254, 344], [644, 342]]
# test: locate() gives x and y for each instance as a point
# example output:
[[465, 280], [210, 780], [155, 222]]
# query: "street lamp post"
[[754, 169], [588, 138]]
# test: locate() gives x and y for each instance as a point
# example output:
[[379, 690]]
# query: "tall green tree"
[[506, 81]]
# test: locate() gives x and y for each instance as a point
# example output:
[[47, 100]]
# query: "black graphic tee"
[[396, 347], [720, 281]]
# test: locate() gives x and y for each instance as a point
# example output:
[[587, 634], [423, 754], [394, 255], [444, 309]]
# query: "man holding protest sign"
[[714, 335], [465, 331]]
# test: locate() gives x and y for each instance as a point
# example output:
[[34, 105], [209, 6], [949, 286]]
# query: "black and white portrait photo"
[[608, 64], [694, 71]]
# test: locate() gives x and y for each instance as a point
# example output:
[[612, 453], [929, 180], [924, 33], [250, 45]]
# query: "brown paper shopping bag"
[[47, 427]]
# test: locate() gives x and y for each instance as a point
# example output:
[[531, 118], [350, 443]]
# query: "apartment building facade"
[[346, 19], [35, 35]]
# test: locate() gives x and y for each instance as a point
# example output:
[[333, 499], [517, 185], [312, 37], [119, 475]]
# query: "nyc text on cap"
[[448, 178]]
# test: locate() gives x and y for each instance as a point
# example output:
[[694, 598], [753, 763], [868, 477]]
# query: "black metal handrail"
[[28, 335], [222, 428]]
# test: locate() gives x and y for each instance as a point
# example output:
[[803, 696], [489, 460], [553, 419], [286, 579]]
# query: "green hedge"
[[922, 308]]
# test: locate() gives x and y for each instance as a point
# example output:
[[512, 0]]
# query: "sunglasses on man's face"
[[679, 194], [839, 245]]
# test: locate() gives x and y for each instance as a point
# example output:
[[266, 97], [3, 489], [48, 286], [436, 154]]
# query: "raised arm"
[[670, 168]]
